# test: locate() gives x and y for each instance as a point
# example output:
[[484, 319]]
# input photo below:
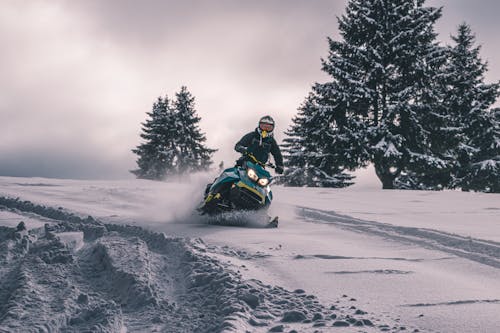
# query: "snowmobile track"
[[482, 251]]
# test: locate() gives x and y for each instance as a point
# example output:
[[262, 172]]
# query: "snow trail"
[[366, 266], [79, 274], [482, 251]]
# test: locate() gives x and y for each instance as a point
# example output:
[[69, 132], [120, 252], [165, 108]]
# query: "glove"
[[279, 169], [241, 149]]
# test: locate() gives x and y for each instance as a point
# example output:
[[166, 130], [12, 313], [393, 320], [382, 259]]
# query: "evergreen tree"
[[384, 99], [191, 153], [477, 129], [308, 159], [482, 173], [173, 143], [156, 154]]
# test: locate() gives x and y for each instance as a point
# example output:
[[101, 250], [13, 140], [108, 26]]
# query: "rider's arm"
[[242, 145]]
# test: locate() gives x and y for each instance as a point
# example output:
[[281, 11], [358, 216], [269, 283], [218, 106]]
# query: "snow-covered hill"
[[131, 256]]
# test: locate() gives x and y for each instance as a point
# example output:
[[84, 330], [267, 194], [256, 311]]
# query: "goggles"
[[266, 127]]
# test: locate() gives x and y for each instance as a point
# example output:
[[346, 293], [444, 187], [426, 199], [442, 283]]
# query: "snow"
[[426, 261], [388, 147], [488, 164]]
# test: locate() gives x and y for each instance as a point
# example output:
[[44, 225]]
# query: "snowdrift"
[[79, 274]]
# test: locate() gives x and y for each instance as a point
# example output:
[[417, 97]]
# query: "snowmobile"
[[240, 195]]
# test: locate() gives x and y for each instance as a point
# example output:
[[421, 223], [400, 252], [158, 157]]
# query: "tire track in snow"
[[481, 251], [375, 271], [473, 301], [128, 278], [332, 257]]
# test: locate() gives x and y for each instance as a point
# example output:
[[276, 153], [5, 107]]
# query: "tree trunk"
[[385, 176], [387, 182]]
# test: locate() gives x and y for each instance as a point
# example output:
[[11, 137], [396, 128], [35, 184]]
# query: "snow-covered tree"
[[191, 153], [469, 101], [483, 170], [156, 154], [382, 101], [309, 160], [173, 142]]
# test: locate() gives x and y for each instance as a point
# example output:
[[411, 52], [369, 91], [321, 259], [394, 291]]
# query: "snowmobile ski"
[[273, 223]]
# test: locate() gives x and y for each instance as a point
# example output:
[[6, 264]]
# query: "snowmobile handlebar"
[[256, 161]]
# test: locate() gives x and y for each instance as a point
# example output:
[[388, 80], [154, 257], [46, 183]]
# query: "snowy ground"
[[127, 256]]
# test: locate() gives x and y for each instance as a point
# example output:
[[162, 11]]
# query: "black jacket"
[[260, 147]]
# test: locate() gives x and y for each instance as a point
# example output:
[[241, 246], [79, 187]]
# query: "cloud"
[[61, 162], [79, 76]]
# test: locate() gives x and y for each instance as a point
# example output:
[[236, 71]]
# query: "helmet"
[[266, 126]]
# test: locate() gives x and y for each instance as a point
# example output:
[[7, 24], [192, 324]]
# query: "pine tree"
[[173, 143], [191, 153], [156, 154], [308, 159], [469, 101], [384, 99], [483, 170]]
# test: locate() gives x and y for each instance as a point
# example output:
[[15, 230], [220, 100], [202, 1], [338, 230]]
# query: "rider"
[[260, 143]]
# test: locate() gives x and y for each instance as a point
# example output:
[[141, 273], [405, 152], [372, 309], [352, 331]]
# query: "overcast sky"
[[77, 77]]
